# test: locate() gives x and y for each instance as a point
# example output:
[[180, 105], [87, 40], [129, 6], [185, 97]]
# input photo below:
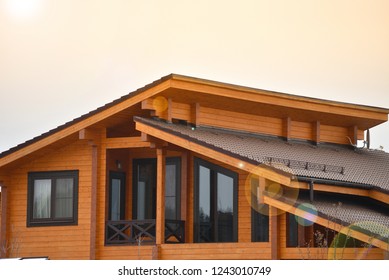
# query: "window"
[[52, 198], [144, 188], [117, 197], [216, 203], [172, 189]]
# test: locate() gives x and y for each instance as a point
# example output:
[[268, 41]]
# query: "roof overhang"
[[261, 170], [211, 92]]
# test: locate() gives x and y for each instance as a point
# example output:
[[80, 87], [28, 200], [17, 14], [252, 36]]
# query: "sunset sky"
[[60, 59]]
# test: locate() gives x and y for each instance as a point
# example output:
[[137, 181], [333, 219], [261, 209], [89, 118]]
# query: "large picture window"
[[216, 203], [52, 198]]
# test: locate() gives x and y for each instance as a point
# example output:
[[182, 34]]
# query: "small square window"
[[52, 198]]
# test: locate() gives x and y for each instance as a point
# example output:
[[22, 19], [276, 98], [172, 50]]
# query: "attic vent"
[[298, 164]]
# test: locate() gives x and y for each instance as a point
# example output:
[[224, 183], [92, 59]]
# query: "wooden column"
[[316, 132], [160, 222], [287, 127], [3, 225], [274, 232], [195, 114], [353, 134], [169, 116]]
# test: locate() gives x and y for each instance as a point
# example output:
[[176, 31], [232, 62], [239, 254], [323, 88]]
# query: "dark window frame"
[[214, 169], [53, 176]]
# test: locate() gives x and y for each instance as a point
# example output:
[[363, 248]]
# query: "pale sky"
[[60, 59]]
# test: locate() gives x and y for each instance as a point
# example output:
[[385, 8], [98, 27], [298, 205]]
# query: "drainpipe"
[[311, 196]]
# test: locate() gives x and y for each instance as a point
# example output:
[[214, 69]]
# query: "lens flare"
[[160, 104], [257, 188], [309, 216]]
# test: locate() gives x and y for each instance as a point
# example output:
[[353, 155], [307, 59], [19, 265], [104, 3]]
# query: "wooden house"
[[186, 168]]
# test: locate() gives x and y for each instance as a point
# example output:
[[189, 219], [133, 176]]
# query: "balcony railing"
[[142, 231]]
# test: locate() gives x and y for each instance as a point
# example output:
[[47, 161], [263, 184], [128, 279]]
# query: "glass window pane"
[[225, 207], [205, 204], [64, 198], [42, 199], [145, 189], [170, 180], [115, 199], [170, 208]]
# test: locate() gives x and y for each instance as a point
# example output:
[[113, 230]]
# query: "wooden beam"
[[126, 142], [279, 99], [326, 223], [260, 170], [353, 134], [273, 215], [316, 132], [287, 127], [169, 110], [160, 221], [3, 219], [195, 114], [88, 134]]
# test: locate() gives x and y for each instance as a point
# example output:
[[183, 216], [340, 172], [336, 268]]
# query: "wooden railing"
[[142, 231]]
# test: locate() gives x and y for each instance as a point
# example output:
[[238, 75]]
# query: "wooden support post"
[[316, 132], [3, 219], [169, 117], [274, 232], [160, 222], [195, 114], [353, 134], [93, 206], [287, 127]]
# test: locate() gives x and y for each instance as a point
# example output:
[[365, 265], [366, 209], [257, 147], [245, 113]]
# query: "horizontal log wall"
[[56, 242], [254, 123], [215, 251]]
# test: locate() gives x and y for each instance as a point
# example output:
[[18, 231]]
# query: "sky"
[[61, 59]]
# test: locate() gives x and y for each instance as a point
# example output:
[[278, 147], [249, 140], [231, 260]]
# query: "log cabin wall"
[[254, 122], [56, 242]]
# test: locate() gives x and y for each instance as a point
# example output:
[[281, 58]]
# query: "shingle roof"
[[360, 213], [340, 163]]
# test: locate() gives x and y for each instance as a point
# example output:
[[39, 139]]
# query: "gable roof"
[[173, 83], [361, 167]]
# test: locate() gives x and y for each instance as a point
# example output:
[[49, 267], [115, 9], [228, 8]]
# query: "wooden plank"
[[160, 220], [126, 142], [259, 170]]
